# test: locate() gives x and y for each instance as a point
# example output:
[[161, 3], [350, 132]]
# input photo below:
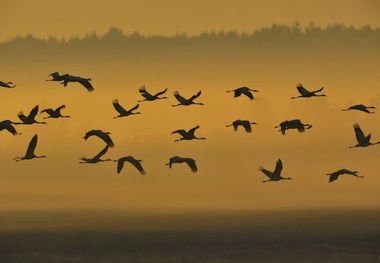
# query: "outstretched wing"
[[32, 146], [60, 108], [247, 93], [160, 93], [318, 90], [195, 96], [181, 132], [118, 107], [8, 126], [191, 163], [192, 130], [86, 83], [32, 114], [360, 137], [247, 126], [278, 169], [179, 97], [101, 153], [266, 172], [134, 108], [301, 89], [49, 111]]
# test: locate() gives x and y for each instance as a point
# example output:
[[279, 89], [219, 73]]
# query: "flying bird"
[[245, 123], [85, 82], [7, 125], [7, 85], [187, 102], [361, 107], [307, 94], [102, 135], [55, 113], [243, 90], [123, 112], [136, 163], [30, 119], [363, 141], [55, 76], [293, 124], [149, 97], [30, 151], [189, 161], [334, 176], [188, 135], [96, 158], [276, 174]]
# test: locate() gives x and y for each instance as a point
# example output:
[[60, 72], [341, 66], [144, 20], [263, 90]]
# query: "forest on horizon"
[[277, 40]]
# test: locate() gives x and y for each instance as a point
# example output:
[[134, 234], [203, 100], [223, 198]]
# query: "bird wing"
[[120, 164], [21, 116], [179, 97], [8, 126], [86, 83], [60, 108], [134, 108], [101, 153], [106, 138], [266, 172], [278, 169], [32, 114], [359, 133], [301, 89], [142, 89], [318, 90], [247, 126], [49, 111], [181, 132], [334, 176], [195, 96], [192, 130], [160, 93], [247, 93], [191, 163], [32, 146], [136, 164], [118, 107]]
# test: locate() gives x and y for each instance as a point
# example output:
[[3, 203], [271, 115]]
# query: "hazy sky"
[[68, 18], [228, 161]]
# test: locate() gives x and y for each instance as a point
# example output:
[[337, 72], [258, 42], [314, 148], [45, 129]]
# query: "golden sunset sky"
[[228, 161]]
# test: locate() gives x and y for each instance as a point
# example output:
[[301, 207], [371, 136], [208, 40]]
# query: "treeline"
[[277, 40]]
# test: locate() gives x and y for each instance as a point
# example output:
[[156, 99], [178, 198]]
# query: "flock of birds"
[[362, 139]]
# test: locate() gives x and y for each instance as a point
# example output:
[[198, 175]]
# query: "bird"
[[187, 102], [7, 84], [102, 135], [293, 124], [123, 112], [136, 163], [361, 107], [30, 151], [7, 125], [334, 176], [96, 158], [363, 141], [188, 135], [57, 77], [84, 81], [307, 94], [245, 123], [276, 174], [189, 161], [30, 119], [243, 90], [55, 113], [149, 97]]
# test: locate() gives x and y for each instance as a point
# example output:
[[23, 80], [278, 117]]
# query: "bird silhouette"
[[245, 123], [243, 90], [96, 158], [307, 94], [363, 141], [360, 107], [55, 113], [123, 112], [30, 119], [187, 102], [102, 135], [85, 82], [7, 85], [189, 161], [188, 135], [276, 174], [293, 124], [57, 77], [136, 163], [149, 97], [30, 151], [7, 125], [334, 176]]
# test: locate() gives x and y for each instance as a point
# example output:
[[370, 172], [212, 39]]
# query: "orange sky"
[[168, 17], [228, 161]]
